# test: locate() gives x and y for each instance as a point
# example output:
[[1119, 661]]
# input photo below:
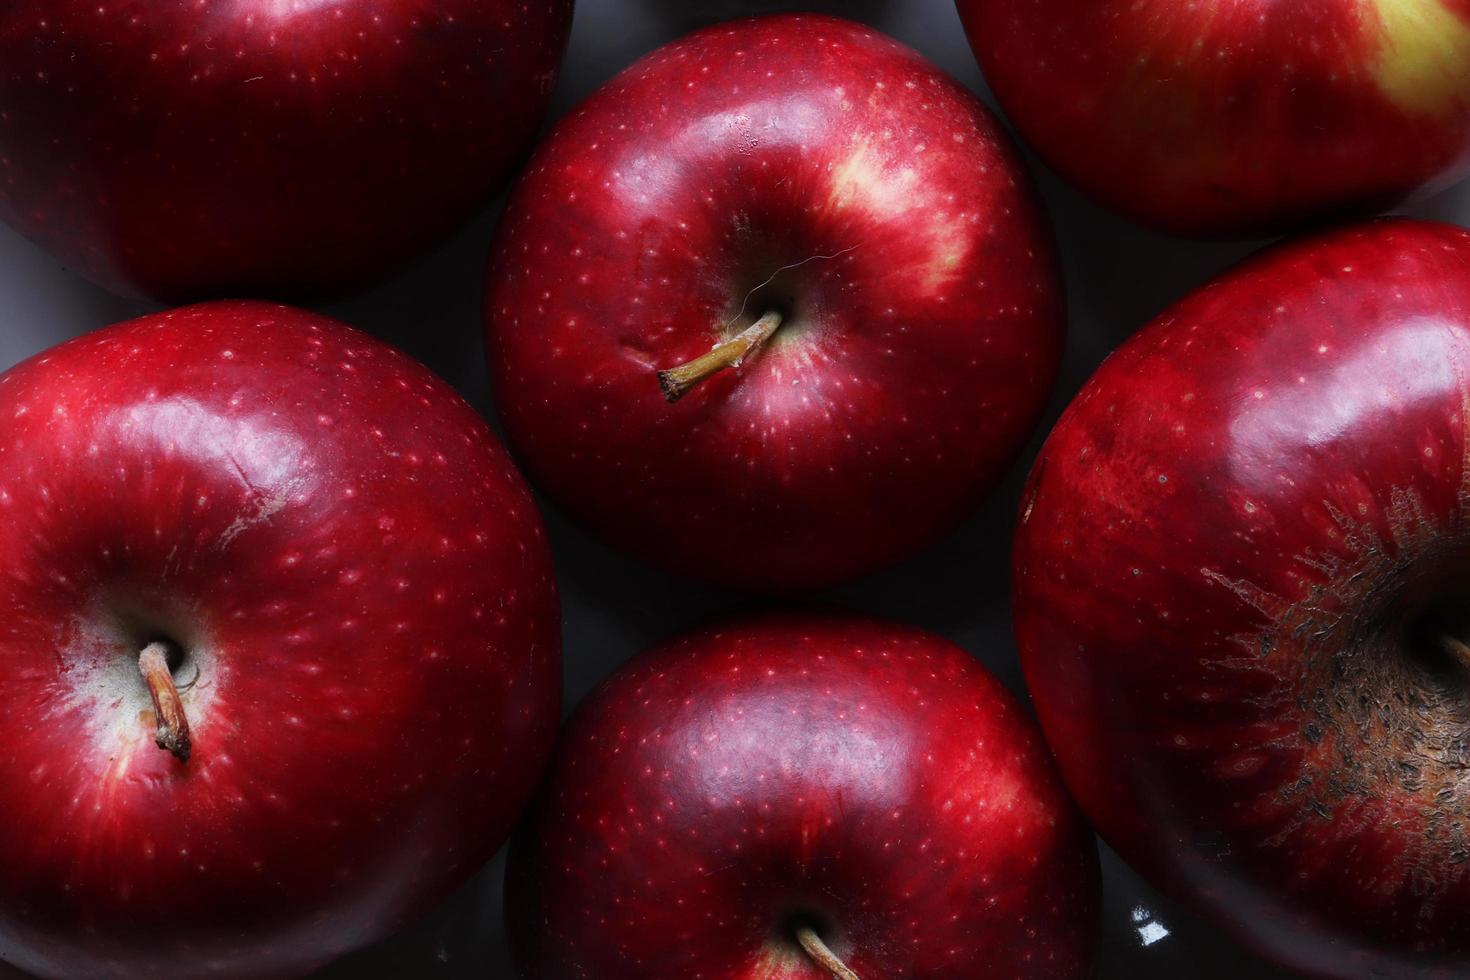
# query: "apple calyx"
[[172, 733], [678, 382], [822, 955]]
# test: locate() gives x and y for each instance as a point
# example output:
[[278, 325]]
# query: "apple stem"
[[824, 957], [1456, 648], [680, 381], [172, 733]]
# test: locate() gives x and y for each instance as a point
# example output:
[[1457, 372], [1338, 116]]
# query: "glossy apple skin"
[[1235, 117], [867, 778], [915, 358], [1229, 551], [360, 581], [263, 147]]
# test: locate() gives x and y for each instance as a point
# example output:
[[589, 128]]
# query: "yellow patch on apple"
[[865, 178], [868, 180], [1424, 57]]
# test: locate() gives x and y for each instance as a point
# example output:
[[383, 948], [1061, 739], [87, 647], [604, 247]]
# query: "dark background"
[[1118, 277]]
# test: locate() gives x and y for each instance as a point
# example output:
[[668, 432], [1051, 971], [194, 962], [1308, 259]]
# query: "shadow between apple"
[[683, 16]]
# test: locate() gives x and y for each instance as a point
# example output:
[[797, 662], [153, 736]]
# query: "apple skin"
[[1235, 553], [1235, 117], [263, 147], [869, 779], [359, 581], [915, 358]]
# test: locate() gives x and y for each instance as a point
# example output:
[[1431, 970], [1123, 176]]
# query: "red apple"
[[337, 589], [1242, 601], [775, 798], [850, 232], [190, 150], [1235, 117]]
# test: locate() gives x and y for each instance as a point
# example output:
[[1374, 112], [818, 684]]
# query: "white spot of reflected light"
[[1413, 362], [1150, 931]]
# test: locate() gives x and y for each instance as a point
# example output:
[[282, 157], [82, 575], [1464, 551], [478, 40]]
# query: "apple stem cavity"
[[680, 381], [172, 733], [822, 955]]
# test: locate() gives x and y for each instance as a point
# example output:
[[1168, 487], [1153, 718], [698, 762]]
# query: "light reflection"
[[286, 9], [1322, 405], [1150, 930], [266, 457]]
